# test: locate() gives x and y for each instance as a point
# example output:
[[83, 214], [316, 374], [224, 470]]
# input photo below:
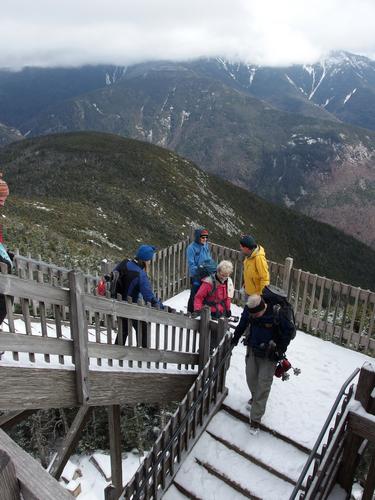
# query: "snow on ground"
[[92, 481]]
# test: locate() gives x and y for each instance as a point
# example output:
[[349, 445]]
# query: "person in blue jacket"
[[132, 281], [197, 252]]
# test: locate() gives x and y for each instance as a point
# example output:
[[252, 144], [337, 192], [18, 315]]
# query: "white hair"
[[253, 301], [225, 267]]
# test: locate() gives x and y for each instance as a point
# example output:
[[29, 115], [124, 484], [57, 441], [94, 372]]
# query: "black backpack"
[[207, 268], [283, 313], [114, 279]]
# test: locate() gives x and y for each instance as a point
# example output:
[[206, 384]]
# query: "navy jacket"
[[263, 330], [133, 282]]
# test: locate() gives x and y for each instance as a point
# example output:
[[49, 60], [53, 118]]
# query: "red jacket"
[[217, 298]]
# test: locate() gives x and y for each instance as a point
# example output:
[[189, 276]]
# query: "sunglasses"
[[204, 237]]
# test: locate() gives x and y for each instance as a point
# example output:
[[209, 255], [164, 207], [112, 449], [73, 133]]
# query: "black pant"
[[193, 290], [3, 308], [125, 331]]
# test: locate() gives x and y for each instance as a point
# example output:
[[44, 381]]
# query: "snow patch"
[[349, 95]]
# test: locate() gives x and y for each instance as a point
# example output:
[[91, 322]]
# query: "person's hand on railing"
[[195, 314]]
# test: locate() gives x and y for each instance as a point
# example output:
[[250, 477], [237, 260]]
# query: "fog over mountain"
[[123, 32]]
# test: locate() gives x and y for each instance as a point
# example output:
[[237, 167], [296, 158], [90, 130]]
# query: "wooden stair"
[[229, 463]]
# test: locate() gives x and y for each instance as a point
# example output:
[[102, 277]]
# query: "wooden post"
[[79, 335], [70, 442], [369, 489], [222, 328], [191, 233], [366, 385], [114, 425], [204, 337], [287, 272], [9, 488]]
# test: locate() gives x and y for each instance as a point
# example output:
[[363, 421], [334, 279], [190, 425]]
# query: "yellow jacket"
[[255, 272]]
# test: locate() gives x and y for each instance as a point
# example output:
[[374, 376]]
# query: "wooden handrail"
[[183, 429]]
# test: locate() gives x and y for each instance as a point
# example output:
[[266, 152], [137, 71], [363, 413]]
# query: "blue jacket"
[[196, 254], [133, 282]]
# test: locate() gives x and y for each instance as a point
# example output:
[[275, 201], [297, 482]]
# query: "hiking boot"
[[254, 428], [248, 404]]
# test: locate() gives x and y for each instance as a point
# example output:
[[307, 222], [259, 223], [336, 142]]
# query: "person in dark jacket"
[[133, 282], [196, 253], [266, 344]]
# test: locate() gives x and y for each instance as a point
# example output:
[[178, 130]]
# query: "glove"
[[272, 353], [195, 314], [228, 314]]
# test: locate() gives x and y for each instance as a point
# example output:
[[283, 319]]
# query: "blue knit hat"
[[145, 252], [248, 241]]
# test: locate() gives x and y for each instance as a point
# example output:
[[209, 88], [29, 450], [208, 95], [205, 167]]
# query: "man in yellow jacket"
[[255, 268]]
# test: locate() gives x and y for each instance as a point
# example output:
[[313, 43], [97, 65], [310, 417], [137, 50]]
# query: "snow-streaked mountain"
[[340, 86], [279, 132]]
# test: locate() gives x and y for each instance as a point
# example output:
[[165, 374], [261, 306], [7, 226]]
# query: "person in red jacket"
[[216, 291]]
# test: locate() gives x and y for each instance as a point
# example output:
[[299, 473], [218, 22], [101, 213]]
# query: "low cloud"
[[269, 32]]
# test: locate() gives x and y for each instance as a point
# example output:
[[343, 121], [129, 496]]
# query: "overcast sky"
[[272, 32]]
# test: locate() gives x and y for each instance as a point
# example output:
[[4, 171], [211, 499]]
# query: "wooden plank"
[[79, 334], [114, 429], [369, 488], [11, 418], [17, 287], [58, 327], [298, 285], [142, 313], [362, 426], [9, 488], [204, 337], [140, 354], [365, 386], [18, 342], [165, 342], [109, 327], [306, 277], [70, 442], [35, 388], [33, 479]]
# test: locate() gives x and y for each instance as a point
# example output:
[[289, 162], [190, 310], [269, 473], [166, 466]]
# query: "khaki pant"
[[259, 377]]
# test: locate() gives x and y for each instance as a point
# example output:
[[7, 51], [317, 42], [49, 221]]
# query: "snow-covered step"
[[201, 484], [175, 494], [284, 459], [214, 468]]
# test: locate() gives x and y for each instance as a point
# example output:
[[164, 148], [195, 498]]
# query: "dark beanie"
[[145, 252], [248, 241]]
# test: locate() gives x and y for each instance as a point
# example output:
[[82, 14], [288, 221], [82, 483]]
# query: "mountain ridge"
[[81, 197]]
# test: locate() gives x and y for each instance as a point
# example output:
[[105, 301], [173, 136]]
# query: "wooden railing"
[[324, 307], [333, 310], [184, 428], [352, 428], [23, 477], [85, 341]]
